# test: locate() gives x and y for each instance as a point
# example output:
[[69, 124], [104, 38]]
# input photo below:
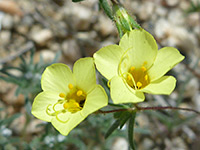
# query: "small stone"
[[161, 11], [33, 127], [192, 88], [120, 144], [5, 37], [18, 124], [71, 50], [42, 36], [146, 10], [172, 3], [7, 22], [78, 15], [47, 55], [105, 26], [147, 144], [176, 17]]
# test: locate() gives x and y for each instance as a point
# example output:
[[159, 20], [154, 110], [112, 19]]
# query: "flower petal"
[[72, 120], [123, 93], [56, 78], [141, 47], [164, 85], [107, 60], [166, 59], [41, 101], [95, 100], [84, 72]]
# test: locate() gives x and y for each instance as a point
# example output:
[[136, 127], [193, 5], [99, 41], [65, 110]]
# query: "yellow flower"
[[136, 66], [68, 98]]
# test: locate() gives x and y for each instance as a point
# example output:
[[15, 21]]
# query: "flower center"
[[71, 102], [137, 78]]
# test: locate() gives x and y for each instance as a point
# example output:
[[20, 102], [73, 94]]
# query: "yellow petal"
[[107, 60], [84, 72], [164, 85], [56, 78], [142, 47], [121, 92], [95, 100], [72, 120], [166, 59], [41, 101]]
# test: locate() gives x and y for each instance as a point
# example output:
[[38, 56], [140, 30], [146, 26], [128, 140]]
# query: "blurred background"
[[37, 33]]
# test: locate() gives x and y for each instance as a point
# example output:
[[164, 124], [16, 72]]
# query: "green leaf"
[[75, 1], [125, 116], [104, 4], [131, 130], [112, 128]]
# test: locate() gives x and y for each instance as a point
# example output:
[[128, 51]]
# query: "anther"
[[139, 85], [146, 77], [143, 68], [70, 86], [62, 95], [129, 77], [145, 63], [66, 105], [79, 93], [132, 68]]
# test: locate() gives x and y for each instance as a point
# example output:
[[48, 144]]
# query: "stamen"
[[132, 68], [52, 114], [70, 86], [145, 63], [143, 68], [59, 102], [79, 93], [62, 95], [62, 120], [72, 106], [66, 105], [139, 85], [129, 77], [146, 77]]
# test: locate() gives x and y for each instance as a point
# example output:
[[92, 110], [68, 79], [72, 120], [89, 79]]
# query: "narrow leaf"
[[112, 128], [131, 130], [104, 4], [77, 1]]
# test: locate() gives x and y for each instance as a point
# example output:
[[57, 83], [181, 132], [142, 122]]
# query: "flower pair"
[[132, 67]]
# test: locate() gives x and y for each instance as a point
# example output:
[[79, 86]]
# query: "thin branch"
[[192, 71], [167, 108], [24, 49], [149, 108]]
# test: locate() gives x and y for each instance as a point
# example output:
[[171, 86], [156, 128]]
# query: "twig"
[[137, 108], [26, 48], [192, 70], [167, 107]]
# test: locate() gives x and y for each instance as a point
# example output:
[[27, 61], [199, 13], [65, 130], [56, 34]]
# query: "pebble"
[[80, 16], [120, 144], [5, 37], [42, 37], [71, 50], [146, 10], [105, 26], [47, 55], [7, 22], [172, 3]]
